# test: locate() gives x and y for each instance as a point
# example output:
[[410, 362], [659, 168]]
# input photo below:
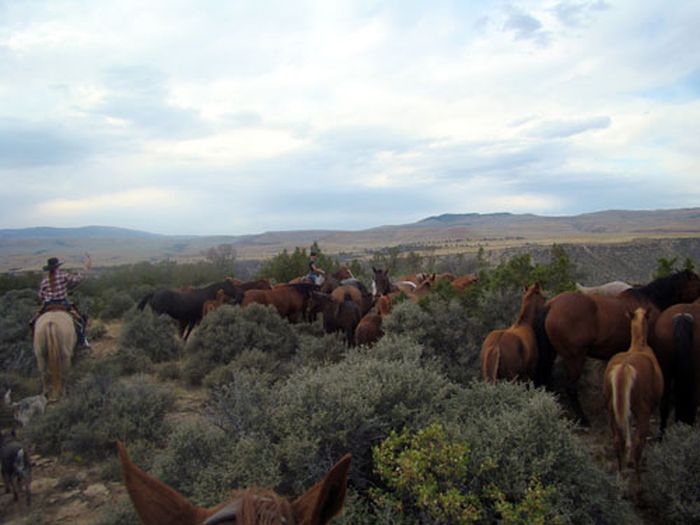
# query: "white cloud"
[[443, 102]]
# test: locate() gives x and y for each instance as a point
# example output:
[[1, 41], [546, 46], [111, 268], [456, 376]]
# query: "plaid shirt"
[[59, 292]]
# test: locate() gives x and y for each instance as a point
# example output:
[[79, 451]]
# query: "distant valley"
[[499, 233]]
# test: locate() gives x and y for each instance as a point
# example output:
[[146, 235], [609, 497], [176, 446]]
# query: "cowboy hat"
[[52, 264]]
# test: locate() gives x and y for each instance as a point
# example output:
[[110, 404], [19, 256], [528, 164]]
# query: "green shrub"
[[317, 415], [17, 307], [445, 330], [432, 477], [202, 463], [670, 482], [229, 330], [116, 305], [522, 435], [169, 372], [320, 350], [153, 335], [100, 409]]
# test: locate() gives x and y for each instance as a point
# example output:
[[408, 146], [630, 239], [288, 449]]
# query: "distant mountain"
[[47, 232], [28, 248]]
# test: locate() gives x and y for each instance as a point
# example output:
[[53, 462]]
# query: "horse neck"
[[639, 337], [528, 312]]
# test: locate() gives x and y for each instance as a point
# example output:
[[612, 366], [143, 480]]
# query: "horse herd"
[[645, 332]]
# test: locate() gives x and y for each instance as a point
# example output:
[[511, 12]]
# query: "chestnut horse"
[[158, 504], [677, 346], [290, 300], [611, 289], [575, 325], [212, 304], [369, 330], [633, 386], [512, 353]]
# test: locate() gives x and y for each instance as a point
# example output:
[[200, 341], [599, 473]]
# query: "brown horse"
[[212, 304], [462, 282], [677, 347], [54, 341], [383, 285], [340, 313], [158, 504], [575, 325], [512, 353], [633, 386], [290, 300], [369, 330]]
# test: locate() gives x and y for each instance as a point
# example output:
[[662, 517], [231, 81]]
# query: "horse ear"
[[629, 314], [154, 501], [374, 270], [325, 499]]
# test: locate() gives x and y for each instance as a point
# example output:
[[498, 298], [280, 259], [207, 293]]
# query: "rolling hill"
[[27, 249]]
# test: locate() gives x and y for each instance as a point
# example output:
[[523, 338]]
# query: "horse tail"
[[545, 350], [54, 356], [684, 375], [622, 380], [490, 363], [146, 300]]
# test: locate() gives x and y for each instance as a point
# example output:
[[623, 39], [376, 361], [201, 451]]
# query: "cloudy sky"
[[232, 117]]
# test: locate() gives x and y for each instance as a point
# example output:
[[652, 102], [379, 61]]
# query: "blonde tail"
[[489, 366], [54, 357], [623, 379]]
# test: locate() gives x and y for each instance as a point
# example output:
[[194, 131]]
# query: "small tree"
[[223, 257]]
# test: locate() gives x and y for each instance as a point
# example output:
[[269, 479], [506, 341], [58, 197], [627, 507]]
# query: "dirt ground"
[[69, 493]]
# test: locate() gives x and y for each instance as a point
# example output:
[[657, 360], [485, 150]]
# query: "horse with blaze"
[[512, 353], [157, 503], [633, 386]]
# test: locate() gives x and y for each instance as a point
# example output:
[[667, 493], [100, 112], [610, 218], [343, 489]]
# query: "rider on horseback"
[[53, 290], [316, 274]]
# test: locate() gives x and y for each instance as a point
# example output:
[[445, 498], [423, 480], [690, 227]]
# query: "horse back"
[[577, 324]]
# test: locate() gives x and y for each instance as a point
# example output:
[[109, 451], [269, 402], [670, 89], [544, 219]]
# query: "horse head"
[[157, 503], [381, 284]]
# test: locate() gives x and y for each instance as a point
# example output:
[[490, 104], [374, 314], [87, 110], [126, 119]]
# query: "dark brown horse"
[[512, 353], [677, 347], [186, 307], [290, 300], [633, 386], [158, 504], [575, 325], [340, 314]]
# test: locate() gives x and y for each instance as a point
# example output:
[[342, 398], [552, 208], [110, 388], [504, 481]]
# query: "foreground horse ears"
[[156, 503]]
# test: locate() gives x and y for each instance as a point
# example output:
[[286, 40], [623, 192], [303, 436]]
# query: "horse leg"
[[640, 437], [574, 367], [618, 439], [665, 405]]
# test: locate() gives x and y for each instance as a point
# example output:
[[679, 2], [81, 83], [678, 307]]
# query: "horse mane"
[[253, 507], [662, 291]]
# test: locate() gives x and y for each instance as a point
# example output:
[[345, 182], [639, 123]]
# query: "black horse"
[[186, 307]]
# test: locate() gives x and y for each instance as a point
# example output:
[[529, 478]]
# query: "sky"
[[236, 117]]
